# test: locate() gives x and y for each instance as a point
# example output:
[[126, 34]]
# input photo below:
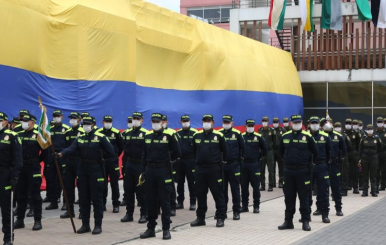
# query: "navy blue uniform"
[[209, 148], [10, 163], [91, 179], [352, 152], [186, 165], [279, 131], [160, 148], [296, 149], [134, 145], [269, 135], [235, 149], [255, 148]]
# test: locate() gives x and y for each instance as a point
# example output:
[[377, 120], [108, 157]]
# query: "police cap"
[[250, 122], [275, 120], [74, 115], [369, 126], [185, 118], [265, 119], [360, 122], [208, 116], [108, 118], [156, 116], [16, 120], [3, 116], [57, 113], [85, 114], [129, 118], [296, 118], [348, 121], [137, 115], [355, 121], [379, 119], [227, 118], [88, 120], [23, 112], [314, 119], [29, 117], [337, 125], [164, 117], [285, 119]]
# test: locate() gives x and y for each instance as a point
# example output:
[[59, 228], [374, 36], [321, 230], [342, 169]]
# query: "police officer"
[[255, 148], [161, 147], [92, 148], [112, 168], [22, 113], [72, 162], [210, 150], [30, 174], [269, 135], [381, 172], [363, 133], [338, 127], [360, 127], [10, 163], [186, 165], [320, 168], [369, 147], [134, 145], [296, 147], [286, 125], [124, 160], [352, 152], [15, 121], [58, 139], [338, 152], [279, 133]]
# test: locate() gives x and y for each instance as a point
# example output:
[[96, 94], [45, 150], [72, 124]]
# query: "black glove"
[[14, 182]]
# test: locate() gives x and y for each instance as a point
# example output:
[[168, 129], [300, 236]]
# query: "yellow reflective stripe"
[[307, 182], [338, 174], [168, 180], [174, 172], [8, 187], [193, 170], [327, 177], [258, 173], [117, 168], [237, 174], [283, 182], [101, 179], [63, 165], [219, 180], [37, 175]]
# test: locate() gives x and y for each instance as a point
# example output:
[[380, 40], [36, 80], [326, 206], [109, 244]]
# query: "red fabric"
[[270, 14]]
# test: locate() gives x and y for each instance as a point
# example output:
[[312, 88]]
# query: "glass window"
[[379, 94], [340, 115], [349, 94], [212, 15], [313, 112], [199, 13], [378, 113], [314, 94], [225, 15]]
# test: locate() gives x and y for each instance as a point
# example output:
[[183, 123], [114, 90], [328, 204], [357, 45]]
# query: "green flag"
[[364, 12]]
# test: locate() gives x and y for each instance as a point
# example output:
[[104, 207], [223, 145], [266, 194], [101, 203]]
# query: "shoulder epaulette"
[[169, 132], [323, 133], [10, 132], [17, 126], [306, 133], [257, 134], [52, 126], [288, 132], [99, 134], [65, 126], [236, 130], [220, 130], [144, 130], [21, 132], [115, 130], [198, 132], [81, 130], [149, 132], [217, 132], [99, 129], [36, 132], [336, 133], [35, 126], [193, 129]]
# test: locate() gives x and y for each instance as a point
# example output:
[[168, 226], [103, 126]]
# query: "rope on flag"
[[44, 136]]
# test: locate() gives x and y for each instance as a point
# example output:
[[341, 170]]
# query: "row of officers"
[[208, 159]]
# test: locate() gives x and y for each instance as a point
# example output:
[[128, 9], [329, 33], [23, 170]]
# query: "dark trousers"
[[158, 186], [345, 174], [335, 180], [70, 176], [268, 163], [232, 177], [381, 172], [123, 172], [5, 203], [173, 194], [353, 166], [30, 179], [321, 177], [186, 169], [297, 182], [91, 185], [52, 179], [369, 169], [133, 171], [209, 178], [112, 171], [280, 165], [250, 173]]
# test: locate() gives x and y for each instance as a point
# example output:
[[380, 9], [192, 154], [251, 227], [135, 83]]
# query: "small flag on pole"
[[44, 136], [327, 116]]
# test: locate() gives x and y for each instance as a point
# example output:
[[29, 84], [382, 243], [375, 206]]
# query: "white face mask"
[[1, 125], [285, 124], [380, 125], [24, 125], [265, 124], [73, 122], [57, 119], [87, 128], [250, 130], [186, 124], [327, 127], [108, 125], [315, 127], [370, 132], [275, 125], [165, 125], [207, 125], [227, 126], [339, 130], [136, 123], [156, 126], [348, 127], [129, 125], [360, 128], [297, 126], [355, 127]]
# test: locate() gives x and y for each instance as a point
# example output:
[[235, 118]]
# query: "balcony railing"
[[267, 3]]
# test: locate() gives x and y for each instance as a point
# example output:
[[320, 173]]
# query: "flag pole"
[[60, 178]]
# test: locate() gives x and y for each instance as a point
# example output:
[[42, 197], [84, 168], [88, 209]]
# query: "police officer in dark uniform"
[[210, 151], [279, 133], [92, 147], [134, 146], [30, 178], [58, 139], [320, 168], [338, 153], [112, 168], [10, 163], [286, 124], [15, 121], [186, 165], [352, 152], [124, 160], [381, 172], [369, 147], [18, 127], [269, 135], [72, 162], [161, 147], [235, 149], [255, 148], [296, 147], [360, 127]]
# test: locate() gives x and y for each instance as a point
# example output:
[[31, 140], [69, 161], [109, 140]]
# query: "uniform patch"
[[255, 138], [140, 135], [112, 135], [281, 132], [336, 137], [304, 138], [215, 138], [96, 138], [233, 136], [269, 133], [322, 138], [366, 142], [164, 138], [274, 132], [6, 137], [375, 141], [34, 136], [78, 134], [63, 130], [353, 136]]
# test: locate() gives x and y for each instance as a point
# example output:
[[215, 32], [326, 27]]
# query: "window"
[[314, 94], [193, 13], [349, 94], [380, 94], [212, 14], [340, 115]]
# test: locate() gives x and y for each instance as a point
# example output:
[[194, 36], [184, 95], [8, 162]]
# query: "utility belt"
[[89, 162], [250, 160], [31, 161], [296, 167], [231, 161], [208, 165], [133, 160], [157, 164], [187, 156]]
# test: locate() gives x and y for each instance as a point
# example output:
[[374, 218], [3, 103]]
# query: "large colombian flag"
[[120, 56]]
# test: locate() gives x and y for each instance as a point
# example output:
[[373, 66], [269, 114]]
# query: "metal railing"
[[236, 4]]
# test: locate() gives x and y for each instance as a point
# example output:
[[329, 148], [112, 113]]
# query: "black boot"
[[374, 194], [270, 188], [173, 212], [236, 216], [166, 235], [123, 203], [192, 207], [317, 212], [245, 209], [339, 213], [180, 205], [262, 188], [150, 232], [127, 218], [365, 193], [256, 210], [142, 219], [46, 200], [301, 221], [198, 222], [76, 202], [67, 215], [344, 193], [7, 243], [325, 218], [280, 184], [220, 223], [356, 190], [19, 223], [64, 207], [52, 206], [84, 229], [116, 209], [97, 230], [37, 225], [30, 213], [306, 226], [286, 225], [382, 188]]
